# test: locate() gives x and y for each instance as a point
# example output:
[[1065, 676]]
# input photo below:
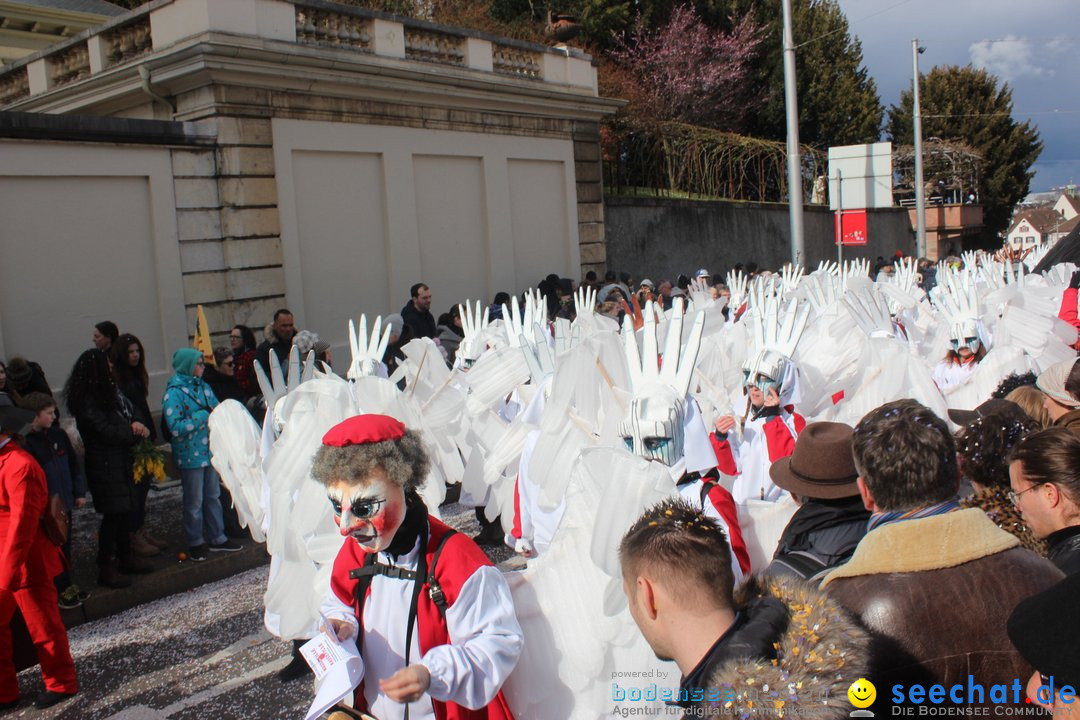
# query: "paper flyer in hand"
[[337, 666]]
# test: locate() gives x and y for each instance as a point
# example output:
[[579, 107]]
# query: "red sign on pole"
[[851, 227]]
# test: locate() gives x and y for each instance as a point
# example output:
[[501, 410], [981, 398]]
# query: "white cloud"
[[1061, 43], [1009, 58]]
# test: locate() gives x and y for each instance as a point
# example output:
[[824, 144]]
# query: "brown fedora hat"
[[821, 466]]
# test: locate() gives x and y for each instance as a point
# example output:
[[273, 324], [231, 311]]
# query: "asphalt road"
[[200, 654]]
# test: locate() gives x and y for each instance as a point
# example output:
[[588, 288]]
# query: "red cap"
[[363, 430]]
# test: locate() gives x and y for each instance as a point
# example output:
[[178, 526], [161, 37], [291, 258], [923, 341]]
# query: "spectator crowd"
[[928, 540]]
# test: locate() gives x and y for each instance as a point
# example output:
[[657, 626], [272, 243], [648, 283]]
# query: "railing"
[[14, 86], [70, 65], [509, 60], [432, 46], [127, 42], [153, 28], [326, 27]]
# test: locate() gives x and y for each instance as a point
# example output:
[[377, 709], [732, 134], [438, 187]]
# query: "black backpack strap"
[[805, 565], [435, 591], [418, 583], [363, 575]]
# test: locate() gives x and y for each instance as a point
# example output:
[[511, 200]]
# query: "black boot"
[[491, 532], [298, 668], [110, 577]]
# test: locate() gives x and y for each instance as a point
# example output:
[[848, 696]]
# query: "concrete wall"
[[661, 238], [367, 211], [291, 164], [88, 233]]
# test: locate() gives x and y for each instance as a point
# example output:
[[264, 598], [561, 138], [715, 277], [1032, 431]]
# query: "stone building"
[[251, 154]]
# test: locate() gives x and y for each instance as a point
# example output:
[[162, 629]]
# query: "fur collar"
[[819, 654], [930, 543]]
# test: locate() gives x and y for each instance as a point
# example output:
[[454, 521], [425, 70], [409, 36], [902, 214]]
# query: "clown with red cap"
[[433, 619]]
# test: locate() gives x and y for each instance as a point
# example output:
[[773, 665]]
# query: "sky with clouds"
[[1033, 45]]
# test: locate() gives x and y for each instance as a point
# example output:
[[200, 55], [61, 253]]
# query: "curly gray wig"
[[404, 461]]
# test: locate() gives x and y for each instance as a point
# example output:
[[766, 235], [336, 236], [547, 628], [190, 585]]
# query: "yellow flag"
[[202, 338]]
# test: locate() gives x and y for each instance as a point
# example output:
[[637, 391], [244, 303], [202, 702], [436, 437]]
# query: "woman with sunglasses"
[[1044, 472]]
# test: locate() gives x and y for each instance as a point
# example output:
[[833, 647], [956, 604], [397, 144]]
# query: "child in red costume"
[[435, 620], [28, 563]]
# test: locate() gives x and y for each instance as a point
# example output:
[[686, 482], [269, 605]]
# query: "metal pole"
[[920, 195], [839, 221], [791, 104]]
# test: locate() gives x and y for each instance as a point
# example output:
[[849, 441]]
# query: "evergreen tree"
[[967, 105], [838, 100]]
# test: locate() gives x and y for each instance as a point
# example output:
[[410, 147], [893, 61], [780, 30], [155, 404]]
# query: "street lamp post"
[[794, 172], [920, 195]]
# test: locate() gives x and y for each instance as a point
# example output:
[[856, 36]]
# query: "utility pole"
[[794, 171], [920, 194]]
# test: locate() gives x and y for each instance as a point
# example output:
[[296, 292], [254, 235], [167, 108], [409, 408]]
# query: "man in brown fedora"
[[820, 474]]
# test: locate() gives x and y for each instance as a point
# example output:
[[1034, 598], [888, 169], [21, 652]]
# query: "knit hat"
[[396, 323], [1052, 382], [305, 341], [185, 359], [19, 373]]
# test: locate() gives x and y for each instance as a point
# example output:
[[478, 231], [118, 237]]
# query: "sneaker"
[[197, 553], [49, 698], [227, 546]]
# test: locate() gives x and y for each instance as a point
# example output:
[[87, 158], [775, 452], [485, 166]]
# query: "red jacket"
[[27, 556], [1068, 310]]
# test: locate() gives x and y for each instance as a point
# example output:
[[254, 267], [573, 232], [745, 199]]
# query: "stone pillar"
[[233, 265], [250, 225], [198, 222], [590, 197]]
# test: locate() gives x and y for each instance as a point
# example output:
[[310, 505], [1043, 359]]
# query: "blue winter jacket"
[[186, 408]]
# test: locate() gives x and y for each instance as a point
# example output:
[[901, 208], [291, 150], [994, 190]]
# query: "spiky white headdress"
[[367, 350], [473, 325], [958, 300], [777, 325], [654, 426]]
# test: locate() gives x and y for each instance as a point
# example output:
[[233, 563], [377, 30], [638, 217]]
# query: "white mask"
[[654, 426]]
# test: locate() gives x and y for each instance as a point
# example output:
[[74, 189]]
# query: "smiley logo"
[[862, 693]]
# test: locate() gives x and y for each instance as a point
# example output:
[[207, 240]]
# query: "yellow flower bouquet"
[[149, 462]]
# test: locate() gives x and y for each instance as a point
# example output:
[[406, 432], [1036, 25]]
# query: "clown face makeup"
[[654, 429], [369, 512]]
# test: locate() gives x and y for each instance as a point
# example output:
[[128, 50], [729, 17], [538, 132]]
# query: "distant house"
[[1043, 225], [1068, 206]]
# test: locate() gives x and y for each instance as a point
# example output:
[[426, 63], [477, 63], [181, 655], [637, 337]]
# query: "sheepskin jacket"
[[810, 661], [935, 593]]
